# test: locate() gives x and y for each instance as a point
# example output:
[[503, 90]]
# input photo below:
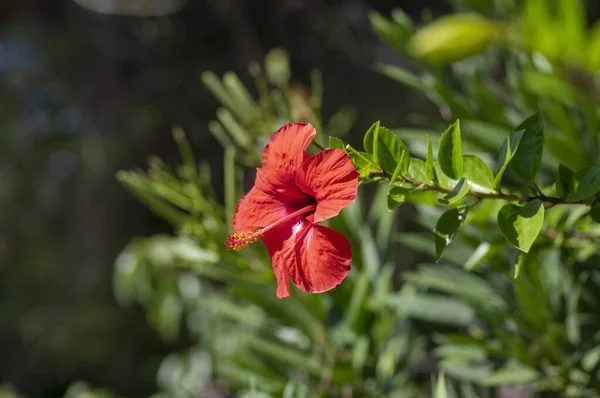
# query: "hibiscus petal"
[[317, 258], [257, 209], [331, 179], [276, 240], [291, 196], [285, 153]]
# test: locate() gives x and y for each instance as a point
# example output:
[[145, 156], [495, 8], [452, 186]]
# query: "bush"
[[503, 294]]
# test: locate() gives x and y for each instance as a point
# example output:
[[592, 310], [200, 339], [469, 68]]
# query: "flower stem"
[[317, 145], [552, 200], [360, 155]]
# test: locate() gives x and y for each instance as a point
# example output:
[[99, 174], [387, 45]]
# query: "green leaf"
[[509, 148], [395, 348], [515, 374], [335, 142], [458, 192], [528, 157], [460, 352], [565, 181], [442, 179], [402, 76], [478, 174], [433, 308], [239, 94], [589, 183], [567, 151], [595, 212], [478, 255], [519, 264], [593, 51], [429, 160], [390, 31], [359, 353], [397, 196], [216, 87], [440, 387], [450, 154], [446, 229], [574, 21], [550, 86], [284, 354], [236, 130], [402, 167], [455, 282], [385, 148], [521, 225], [417, 170]]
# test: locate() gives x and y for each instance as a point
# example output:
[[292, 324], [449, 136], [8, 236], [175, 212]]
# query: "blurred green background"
[[84, 94]]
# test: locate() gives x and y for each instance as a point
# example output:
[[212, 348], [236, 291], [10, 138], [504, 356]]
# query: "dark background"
[[83, 95]]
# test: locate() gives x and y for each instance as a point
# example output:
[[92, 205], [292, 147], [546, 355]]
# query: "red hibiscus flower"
[[293, 193]]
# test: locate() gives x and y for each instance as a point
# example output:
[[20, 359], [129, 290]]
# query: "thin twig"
[[552, 200]]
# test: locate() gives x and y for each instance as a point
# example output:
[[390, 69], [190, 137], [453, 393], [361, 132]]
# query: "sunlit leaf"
[[446, 229], [514, 374], [335, 142], [385, 148], [509, 148], [458, 192], [417, 170], [450, 156], [589, 183], [478, 174], [521, 225], [429, 160], [593, 50], [402, 167], [519, 264], [478, 255], [440, 387], [434, 308]]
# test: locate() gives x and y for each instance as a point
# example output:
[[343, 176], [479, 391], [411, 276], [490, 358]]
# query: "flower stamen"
[[241, 240]]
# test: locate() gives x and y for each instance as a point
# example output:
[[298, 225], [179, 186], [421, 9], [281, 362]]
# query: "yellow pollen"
[[241, 240]]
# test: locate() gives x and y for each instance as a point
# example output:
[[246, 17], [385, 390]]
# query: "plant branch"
[[552, 200]]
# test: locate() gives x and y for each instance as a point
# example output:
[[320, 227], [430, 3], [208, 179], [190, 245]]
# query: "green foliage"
[[587, 182], [386, 149], [528, 154], [521, 225], [489, 315], [541, 123], [446, 228], [509, 149], [450, 153], [315, 345]]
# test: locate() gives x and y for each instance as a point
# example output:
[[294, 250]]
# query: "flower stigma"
[[241, 240]]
